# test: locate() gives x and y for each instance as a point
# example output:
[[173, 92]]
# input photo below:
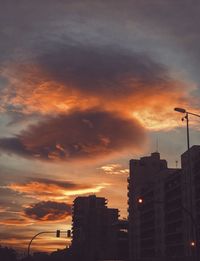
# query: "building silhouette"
[[164, 208], [95, 228], [122, 240]]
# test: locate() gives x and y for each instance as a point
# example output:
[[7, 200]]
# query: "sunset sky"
[[84, 87]]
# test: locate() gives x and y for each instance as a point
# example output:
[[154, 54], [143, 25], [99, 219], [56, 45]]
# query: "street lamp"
[[182, 110]]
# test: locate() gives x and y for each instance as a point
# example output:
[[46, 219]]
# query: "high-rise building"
[[164, 208], [190, 161], [93, 230], [145, 221]]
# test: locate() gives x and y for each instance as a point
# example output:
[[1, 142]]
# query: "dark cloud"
[[179, 17], [14, 145], [85, 134], [48, 210], [61, 184], [97, 22], [102, 71], [76, 65], [9, 199], [175, 26]]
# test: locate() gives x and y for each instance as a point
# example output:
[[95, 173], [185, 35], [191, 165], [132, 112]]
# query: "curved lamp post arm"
[[44, 232], [48, 232], [194, 114]]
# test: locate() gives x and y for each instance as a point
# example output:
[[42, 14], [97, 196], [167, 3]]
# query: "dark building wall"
[[190, 161], [165, 230], [174, 216], [144, 181], [93, 231]]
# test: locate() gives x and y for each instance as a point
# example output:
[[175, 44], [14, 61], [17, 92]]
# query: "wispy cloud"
[[15, 222], [52, 190], [114, 169]]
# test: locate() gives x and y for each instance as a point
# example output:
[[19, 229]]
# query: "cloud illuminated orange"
[[114, 169], [14, 222], [48, 243], [81, 135], [131, 84], [55, 191]]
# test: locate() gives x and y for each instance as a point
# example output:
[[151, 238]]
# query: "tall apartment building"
[[161, 228], [191, 174], [93, 230]]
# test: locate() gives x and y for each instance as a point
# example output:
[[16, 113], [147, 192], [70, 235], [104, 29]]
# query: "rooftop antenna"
[[176, 164], [157, 144]]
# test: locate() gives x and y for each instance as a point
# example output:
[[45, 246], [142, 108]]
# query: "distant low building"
[[93, 229]]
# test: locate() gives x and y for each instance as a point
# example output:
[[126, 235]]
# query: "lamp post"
[[187, 113], [186, 116]]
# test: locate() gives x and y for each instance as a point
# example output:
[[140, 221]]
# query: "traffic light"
[[68, 233], [57, 233]]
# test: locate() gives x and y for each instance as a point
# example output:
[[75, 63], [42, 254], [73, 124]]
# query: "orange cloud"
[[44, 243], [31, 92], [114, 169], [16, 242], [52, 190], [11, 218], [15, 222], [3, 209], [80, 78], [149, 104], [50, 243]]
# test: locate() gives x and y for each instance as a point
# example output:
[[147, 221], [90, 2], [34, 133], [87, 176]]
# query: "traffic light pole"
[[44, 232], [57, 232]]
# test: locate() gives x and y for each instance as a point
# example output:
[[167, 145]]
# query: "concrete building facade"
[[93, 230], [165, 225]]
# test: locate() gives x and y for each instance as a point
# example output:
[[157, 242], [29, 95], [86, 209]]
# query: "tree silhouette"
[[7, 254]]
